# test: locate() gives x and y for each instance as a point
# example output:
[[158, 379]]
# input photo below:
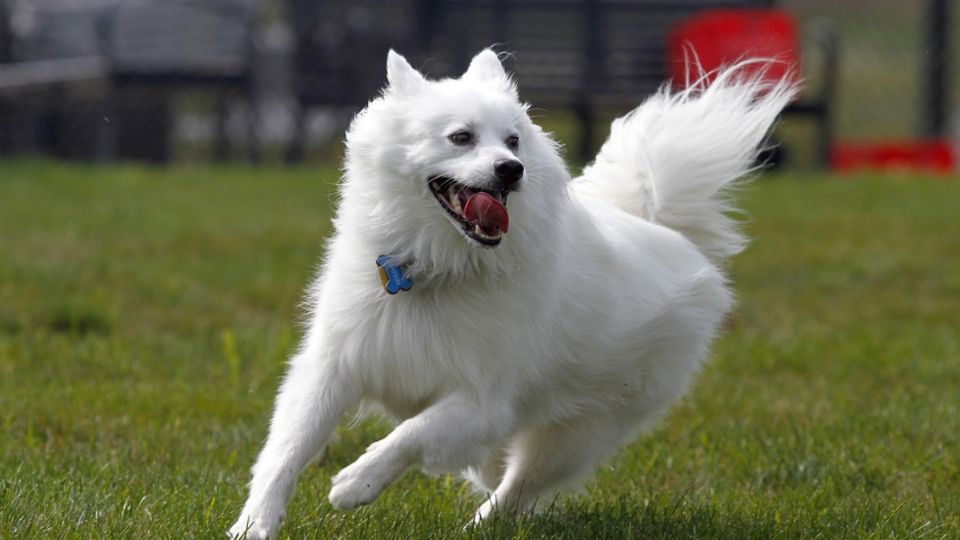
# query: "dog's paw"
[[362, 481], [353, 488], [350, 494], [252, 528], [501, 506], [484, 513]]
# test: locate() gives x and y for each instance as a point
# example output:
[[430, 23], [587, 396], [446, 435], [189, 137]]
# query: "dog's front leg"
[[311, 400], [448, 436]]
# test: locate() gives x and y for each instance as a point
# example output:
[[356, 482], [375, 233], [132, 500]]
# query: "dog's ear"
[[486, 67], [401, 76]]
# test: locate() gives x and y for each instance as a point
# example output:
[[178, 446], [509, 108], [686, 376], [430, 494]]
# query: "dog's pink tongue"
[[487, 212]]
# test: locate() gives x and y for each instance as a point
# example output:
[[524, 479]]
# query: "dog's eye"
[[513, 142], [461, 138]]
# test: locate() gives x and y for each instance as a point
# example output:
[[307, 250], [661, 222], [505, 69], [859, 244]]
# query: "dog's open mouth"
[[482, 214]]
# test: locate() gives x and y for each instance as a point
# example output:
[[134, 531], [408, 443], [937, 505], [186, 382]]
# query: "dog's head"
[[439, 170]]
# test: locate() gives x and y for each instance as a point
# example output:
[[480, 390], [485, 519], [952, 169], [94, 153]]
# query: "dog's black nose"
[[509, 171]]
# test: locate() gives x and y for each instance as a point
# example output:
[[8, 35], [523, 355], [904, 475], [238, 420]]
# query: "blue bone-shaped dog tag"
[[391, 276]]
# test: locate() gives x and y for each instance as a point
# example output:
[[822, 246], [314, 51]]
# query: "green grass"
[[145, 316]]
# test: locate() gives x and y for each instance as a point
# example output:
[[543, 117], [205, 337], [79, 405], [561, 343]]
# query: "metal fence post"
[[592, 74], [937, 67]]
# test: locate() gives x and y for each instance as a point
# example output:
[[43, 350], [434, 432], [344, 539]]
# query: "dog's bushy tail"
[[673, 159]]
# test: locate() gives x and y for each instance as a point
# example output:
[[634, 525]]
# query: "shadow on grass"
[[78, 321], [630, 518]]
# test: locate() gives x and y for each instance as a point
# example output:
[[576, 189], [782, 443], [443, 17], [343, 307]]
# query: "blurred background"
[[168, 174], [277, 80]]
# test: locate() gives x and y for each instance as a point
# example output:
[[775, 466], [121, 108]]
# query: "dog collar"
[[391, 276]]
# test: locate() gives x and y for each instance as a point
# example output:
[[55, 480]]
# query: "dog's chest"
[[419, 343]]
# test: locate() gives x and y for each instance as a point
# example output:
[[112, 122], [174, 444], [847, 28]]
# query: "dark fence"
[[152, 79], [95, 79], [588, 56]]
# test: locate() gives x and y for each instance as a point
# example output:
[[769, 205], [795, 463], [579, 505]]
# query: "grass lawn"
[[145, 316]]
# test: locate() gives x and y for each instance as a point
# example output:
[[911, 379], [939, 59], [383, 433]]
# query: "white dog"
[[518, 348]]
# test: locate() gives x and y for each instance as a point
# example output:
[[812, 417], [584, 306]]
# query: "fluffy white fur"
[[522, 366]]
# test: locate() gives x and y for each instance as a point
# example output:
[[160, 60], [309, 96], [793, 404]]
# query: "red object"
[[718, 38], [934, 155]]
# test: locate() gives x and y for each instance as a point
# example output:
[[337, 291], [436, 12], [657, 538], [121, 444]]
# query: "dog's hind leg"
[[447, 436], [488, 473], [546, 459], [311, 401]]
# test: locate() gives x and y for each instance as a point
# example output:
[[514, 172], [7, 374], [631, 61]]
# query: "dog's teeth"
[[454, 199], [478, 232]]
